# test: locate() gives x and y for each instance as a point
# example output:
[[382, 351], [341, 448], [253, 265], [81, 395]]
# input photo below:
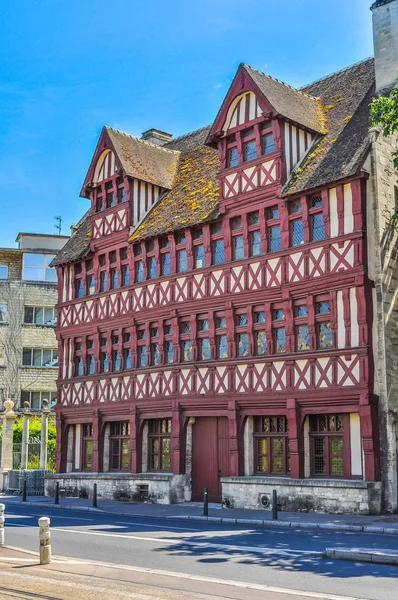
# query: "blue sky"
[[68, 68]]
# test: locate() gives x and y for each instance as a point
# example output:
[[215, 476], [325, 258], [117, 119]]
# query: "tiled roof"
[[143, 160], [78, 246], [293, 104], [345, 96], [193, 199]]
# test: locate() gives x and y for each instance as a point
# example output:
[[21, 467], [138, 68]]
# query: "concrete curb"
[[267, 523], [363, 555]]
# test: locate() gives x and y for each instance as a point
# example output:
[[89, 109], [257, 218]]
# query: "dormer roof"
[[275, 97], [137, 158]]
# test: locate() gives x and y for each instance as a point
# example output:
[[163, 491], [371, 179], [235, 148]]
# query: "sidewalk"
[[381, 524]]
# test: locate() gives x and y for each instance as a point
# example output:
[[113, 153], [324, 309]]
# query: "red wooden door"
[[210, 456]]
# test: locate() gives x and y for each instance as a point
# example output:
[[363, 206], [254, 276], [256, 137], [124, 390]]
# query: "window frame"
[[158, 435], [269, 435]]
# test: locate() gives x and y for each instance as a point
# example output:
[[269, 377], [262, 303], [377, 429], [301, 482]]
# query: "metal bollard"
[[45, 540], [2, 519], [56, 499], [95, 495], [274, 505], [206, 502], [24, 490]]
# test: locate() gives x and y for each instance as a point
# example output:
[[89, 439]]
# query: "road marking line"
[[172, 541], [156, 526], [51, 517]]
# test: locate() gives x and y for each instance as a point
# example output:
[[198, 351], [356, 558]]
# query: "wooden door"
[[210, 456]]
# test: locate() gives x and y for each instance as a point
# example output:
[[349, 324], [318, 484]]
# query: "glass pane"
[[268, 144], [3, 272], [250, 150], [280, 340], [295, 207], [49, 316], [187, 351], [301, 311], [154, 454], [33, 274], [125, 455], [143, 356], [205, 349], [91, 365], [239, 251], [169, 352], [152, 268], [115, 453], [29, 311], [88, 455], [259, 317], [218, 252], [33, 260], [323, 308], [166, 264], [182, 261], [128, 363], [125, 275], [166, 454], [233, 157], [26, 357], [139, 271], [243, 344], [37, 358], [297, 232], [318, 227], [199, 257], [51, 274], [325, 335], [36, 400], [255, 243], [274, 235], [261, 343], [222, 346], [303, 338], [3, 313], [155, 354]]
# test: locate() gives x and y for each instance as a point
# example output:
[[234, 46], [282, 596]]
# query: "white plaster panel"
[[77, 445], [340, 321], [334, 217], [355, 441], [348, 214], [354, 318]]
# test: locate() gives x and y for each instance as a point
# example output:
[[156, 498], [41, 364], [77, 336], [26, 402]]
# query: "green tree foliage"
[[384, 113], [34, 429]]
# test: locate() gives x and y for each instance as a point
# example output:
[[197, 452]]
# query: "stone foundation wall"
[[162, 488], [338, 497]]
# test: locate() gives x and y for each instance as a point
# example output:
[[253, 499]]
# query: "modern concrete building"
[[28, 294]]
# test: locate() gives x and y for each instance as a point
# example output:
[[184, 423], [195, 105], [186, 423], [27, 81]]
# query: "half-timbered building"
[[227, 306]]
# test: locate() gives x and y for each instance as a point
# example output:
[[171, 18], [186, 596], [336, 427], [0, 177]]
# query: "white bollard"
[[2, 519], [45, 540]]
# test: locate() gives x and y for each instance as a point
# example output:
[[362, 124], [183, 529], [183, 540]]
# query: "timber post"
[[45, 540]]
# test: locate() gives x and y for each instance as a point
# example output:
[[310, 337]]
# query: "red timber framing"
[[265, 312]]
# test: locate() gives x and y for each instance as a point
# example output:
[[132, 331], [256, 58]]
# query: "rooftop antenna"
[[58, 225]]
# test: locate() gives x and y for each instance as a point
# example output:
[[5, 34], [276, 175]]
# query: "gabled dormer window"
[[248, 144]]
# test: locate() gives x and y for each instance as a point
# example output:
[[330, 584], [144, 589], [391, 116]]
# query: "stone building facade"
[[227, 306], [28, 295]]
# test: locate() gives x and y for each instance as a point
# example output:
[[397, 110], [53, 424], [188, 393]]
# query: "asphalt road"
[[287, 559]]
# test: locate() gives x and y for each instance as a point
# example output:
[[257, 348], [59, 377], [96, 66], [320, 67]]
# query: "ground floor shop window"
[[87, 439], [328, 444], [119, 440], [159, 434], [271, 446]]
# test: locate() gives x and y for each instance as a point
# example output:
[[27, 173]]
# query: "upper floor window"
[[40, 315], [2, 356], [36, 267], [323, 324], [35, 399], [249, 145], [267, 139], [317, 225], [38, 357], [3, 272], [273, 229], [3, 313]]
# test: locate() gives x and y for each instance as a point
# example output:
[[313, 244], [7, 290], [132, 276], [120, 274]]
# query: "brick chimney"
[[156, 136], [385, 34]]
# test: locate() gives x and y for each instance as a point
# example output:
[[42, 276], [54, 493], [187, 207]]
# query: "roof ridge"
[[184, 135], [299, 91], [360, 62], [133, 137]]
